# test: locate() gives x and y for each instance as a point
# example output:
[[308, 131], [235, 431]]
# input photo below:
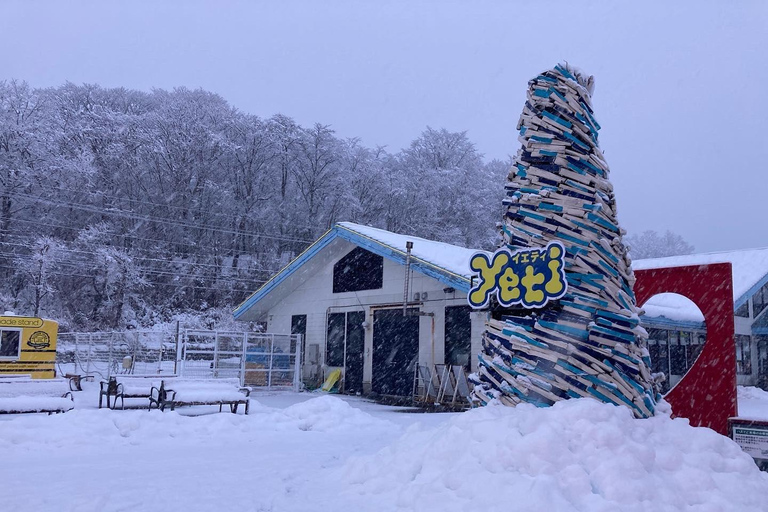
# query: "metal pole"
[[408, 247], [178, 352], [243, 358], [271, 351], [297, 371], [109, 365], [215, 353]]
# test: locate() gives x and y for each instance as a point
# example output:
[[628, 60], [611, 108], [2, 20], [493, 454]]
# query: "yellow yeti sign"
[[28, 346], [526, 277]]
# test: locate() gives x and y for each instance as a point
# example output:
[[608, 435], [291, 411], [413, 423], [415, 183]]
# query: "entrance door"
[[458, 336], [353, 359], [395, 352]]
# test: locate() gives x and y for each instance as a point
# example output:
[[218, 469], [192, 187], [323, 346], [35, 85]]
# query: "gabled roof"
[[750, 268], [447, 263]]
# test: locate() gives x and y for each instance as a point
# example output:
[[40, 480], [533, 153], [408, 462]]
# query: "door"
[[353, 358], [299, 326], [395, 352], [458, 336]]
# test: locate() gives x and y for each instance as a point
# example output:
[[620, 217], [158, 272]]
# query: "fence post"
[[88, 361], [271, 351], [243, 358], [178, 352], [109, 363], [215, 354]]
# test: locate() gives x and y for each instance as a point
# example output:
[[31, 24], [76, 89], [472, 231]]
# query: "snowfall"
[[310, 452]]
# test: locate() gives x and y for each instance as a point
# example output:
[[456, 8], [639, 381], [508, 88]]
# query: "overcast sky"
[[681, 91]]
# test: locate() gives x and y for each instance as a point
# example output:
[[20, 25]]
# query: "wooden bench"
[[25, 395], [219, 392], [127, 387]]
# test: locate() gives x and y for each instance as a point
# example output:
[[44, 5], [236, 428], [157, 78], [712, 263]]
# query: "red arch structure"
[[706, 395]]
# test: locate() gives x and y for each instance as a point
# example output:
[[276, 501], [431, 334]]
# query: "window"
[[676, 354], [694, 349], [659, 350], [345, 332], [458, 334], [299, 326], [358, 270], [743, 310], [762, 355], [334, 349], [759, 300], [10, 343], [743, 355]]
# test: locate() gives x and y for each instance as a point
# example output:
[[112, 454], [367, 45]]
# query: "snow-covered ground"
[[304, 452]]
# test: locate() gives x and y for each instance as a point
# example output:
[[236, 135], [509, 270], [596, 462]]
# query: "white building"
[[676, 327], [345, 295]]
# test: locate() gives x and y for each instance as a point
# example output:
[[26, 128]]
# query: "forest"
[[125, 209]]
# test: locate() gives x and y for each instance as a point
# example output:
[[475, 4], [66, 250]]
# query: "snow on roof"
[[673, 307], [750, 266], [449, 257]]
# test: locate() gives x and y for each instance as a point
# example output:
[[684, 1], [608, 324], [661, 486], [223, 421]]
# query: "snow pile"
[[328, 413], [131, 427], [752, 393], [576, 455], [753, 403]]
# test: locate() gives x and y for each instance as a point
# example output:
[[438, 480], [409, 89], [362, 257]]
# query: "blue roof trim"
[[746, 295], [459, 282], [661, 321], [289, 269]]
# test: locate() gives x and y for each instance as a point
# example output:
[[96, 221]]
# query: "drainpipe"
[[408, 247]]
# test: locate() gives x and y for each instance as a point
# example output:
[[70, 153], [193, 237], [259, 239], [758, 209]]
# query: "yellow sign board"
[[528, 277], [28, 346]]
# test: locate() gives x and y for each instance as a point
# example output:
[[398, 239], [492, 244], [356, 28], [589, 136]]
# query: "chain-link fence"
[[256, 359]]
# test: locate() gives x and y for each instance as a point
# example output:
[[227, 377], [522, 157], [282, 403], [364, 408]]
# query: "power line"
[[148, 203], [113, 233], [167, 262], [155, 283], [146, 271], [144, 218]]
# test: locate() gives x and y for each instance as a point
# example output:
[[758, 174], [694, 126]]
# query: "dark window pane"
[[299, 326], [334, 351], [676, 354], [743, 355], [762, 355], [458, 333], [358, 270], [759, 300], [743, 310], [9, 343], [659, 361]]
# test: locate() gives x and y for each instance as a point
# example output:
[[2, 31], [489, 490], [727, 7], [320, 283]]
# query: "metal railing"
[[263, 360]]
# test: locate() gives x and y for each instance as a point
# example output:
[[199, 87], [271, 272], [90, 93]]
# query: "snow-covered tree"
[[650, 244]]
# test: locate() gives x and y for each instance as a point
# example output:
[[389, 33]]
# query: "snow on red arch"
[[578, 455]]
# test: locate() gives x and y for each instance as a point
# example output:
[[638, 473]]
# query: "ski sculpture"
[[565, 323]]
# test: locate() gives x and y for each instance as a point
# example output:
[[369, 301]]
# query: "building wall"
[[314, 297]]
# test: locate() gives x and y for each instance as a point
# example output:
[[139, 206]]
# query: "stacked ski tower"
[[589, 342]]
